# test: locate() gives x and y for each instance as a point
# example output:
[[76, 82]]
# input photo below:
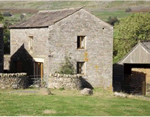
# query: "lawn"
[[70, 103]]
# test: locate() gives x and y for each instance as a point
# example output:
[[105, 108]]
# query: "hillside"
[[101, 9]]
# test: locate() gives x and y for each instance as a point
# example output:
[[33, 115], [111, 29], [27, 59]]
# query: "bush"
[[7, 14], [112, 20], [128, 10], [67, 67]]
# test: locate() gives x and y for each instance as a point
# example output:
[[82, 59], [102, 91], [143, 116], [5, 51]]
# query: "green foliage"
[[6, 35], [128, 10], [6, 40], [112, 20], [1, 18], [67, 67], [8, 14], [128, 32]]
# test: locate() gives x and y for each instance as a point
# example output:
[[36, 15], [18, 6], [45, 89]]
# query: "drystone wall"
[[13, 80], [65, 81]]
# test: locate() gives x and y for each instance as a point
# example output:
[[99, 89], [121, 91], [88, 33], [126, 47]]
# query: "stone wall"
[[65, 81], [13, 80], [6, 62], [1, 48]]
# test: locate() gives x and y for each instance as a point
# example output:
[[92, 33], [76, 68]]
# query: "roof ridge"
[[53, 18], [140, 43], [69, 14], [148, 49]]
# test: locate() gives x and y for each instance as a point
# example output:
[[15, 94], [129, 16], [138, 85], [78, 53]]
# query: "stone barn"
[[132, 73], [40, 44], [1, 48]]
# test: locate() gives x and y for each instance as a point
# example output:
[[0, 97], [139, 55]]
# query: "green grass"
[[16, 18], [105, 14], [71, 103]]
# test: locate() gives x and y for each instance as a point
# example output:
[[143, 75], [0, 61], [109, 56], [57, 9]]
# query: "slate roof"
[[45, 18]]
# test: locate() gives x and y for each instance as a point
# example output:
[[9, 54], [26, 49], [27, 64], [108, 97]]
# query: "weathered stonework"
[[64, 81], [13, 80], [40, 44], [1, 48], [98, 52], [54, 42], [6, 62]]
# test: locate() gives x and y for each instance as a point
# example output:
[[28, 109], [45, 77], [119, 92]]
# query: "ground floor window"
[[81, 67]]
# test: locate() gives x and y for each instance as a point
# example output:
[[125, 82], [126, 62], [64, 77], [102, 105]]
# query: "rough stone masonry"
[[55, 35]]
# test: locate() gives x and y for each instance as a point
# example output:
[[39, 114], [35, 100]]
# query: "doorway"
[[38, 69], [137, 78]]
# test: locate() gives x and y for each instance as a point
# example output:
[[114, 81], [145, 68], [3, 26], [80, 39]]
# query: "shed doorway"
[[137, 78]]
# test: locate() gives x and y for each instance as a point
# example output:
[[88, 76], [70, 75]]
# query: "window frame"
[[31, 43], [81, 67], [81, 40]]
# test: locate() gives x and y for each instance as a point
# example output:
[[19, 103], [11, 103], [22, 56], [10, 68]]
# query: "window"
[[81, 67], [80, 42], [30, 43]]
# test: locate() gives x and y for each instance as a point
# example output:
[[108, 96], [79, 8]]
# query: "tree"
[[128, 10], [112, 20], [6, 40], [6, 35], [129, 31], [1, 18]]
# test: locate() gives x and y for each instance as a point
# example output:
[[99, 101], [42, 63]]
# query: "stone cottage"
[[1, 48], [40, 44]]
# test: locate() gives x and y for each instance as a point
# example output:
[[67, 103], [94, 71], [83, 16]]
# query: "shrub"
[[128, 10], [7, 14], [67, 67], [112, 20]]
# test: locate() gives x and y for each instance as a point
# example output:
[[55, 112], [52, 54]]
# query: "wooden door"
[[39, 70]]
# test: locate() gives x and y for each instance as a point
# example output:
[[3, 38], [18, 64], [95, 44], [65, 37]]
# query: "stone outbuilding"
[[40, 44], [132, 73], [1, 48]]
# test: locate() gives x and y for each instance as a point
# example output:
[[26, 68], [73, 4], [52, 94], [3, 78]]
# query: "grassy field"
[[71, 103]]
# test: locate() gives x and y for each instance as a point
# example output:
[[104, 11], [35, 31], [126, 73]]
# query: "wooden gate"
[[138, 79]]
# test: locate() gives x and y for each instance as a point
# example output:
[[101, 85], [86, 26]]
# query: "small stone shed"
[[40, 44], [1, 48], [132, 73]]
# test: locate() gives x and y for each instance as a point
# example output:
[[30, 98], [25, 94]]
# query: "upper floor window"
[[30, 43], [80, 42]]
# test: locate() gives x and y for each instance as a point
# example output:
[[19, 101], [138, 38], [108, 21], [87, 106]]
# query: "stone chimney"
[[1, 48]]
